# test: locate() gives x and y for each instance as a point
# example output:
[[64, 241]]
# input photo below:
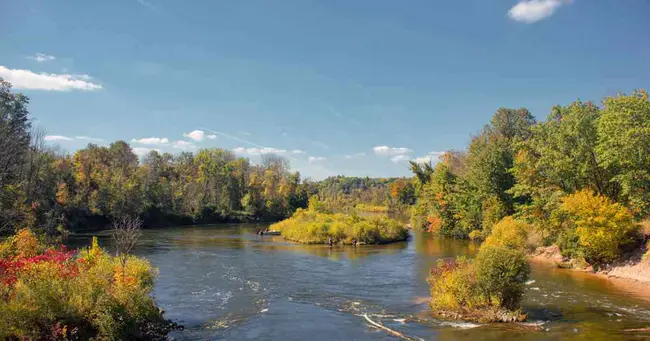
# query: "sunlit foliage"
[[540, 173], [53, 293], [313, 227], [601, 226], [487, 289]]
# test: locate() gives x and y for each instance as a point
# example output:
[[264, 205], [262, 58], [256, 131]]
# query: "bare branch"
[[126, 232]]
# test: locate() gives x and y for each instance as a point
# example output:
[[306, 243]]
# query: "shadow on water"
[[226, 282]]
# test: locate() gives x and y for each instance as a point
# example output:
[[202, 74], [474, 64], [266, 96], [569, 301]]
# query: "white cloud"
[[399, 158], [184, 145], [196, 135], [354, 156], [530, 11], [259, 151], [87, 138], [57, 138], [42, 57], [391, 151], [66, 138], [211, 137], [298, 151], [141, 151], [429, 158], [25, 79], [315, 159], [151, 140]]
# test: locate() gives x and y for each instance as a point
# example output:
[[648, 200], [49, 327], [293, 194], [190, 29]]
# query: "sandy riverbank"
[[631, 275]]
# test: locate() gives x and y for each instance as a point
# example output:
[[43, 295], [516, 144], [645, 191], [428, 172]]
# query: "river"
[[224, 282]]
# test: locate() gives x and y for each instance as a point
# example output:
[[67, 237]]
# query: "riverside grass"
[[311, 227]]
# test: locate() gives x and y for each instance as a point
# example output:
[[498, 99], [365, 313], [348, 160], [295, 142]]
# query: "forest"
[[582, 172], [578, 181], [52, 191]]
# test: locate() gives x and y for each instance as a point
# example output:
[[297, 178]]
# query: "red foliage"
[[10, 267], [444, 267]]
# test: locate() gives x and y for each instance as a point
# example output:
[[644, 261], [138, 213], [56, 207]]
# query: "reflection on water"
[[226, 282]]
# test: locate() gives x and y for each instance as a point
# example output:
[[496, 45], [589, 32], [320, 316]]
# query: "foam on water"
[[461, 325]]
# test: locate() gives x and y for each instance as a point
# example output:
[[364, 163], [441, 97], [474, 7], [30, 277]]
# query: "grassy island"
[[312, 227]]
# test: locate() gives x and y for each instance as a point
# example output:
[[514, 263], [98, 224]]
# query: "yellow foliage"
[[475, 235], [313, 227], [509, 233], [601, 225], [53, 292], [26, 244]]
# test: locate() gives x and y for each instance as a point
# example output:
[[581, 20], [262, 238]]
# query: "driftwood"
[[388, 330], [639, 330]]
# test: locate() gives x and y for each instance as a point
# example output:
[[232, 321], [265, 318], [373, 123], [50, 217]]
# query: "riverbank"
[[631, 274]]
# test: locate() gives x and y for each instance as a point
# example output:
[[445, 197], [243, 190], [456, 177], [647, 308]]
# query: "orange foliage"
[[435, 223]]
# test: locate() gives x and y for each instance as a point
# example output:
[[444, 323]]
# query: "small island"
[[312, 227]]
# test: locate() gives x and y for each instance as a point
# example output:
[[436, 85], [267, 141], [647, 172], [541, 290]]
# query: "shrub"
[[509, 233], [602, 226], [53, 293], [490, 287], [501, 275], [454, 286]]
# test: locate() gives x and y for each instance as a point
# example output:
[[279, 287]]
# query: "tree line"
[[516, 166], [344, 193], [44, 188]]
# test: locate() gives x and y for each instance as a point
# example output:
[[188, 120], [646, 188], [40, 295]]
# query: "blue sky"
[[337, 86]]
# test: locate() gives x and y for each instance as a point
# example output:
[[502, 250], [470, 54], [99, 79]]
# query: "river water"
[[224, 282]]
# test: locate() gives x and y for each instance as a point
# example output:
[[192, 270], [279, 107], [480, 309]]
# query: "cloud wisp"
[[183, 145], [316, 159], [391, 151], [26, 79], [57, 138], [41, 57], [54, 138], [531, 11], [266, 150], [235, 138], [148, 5], [354, 156], [88, 138], [152, 141]]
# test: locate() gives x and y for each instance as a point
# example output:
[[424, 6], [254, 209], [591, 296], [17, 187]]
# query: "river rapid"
[[224, 282]]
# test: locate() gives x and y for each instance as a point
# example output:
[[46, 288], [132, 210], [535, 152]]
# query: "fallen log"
[[388, 330], [638, 330]]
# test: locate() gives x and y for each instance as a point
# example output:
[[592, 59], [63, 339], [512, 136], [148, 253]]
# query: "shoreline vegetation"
[[49, 292], [314, 227], [577, 183]]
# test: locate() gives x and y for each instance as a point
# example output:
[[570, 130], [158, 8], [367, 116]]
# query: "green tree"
[[623, 145]]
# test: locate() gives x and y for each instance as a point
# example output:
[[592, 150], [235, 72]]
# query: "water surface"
[[226, 283]]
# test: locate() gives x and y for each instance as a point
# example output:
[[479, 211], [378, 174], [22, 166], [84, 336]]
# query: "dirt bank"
[[630, 275]]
